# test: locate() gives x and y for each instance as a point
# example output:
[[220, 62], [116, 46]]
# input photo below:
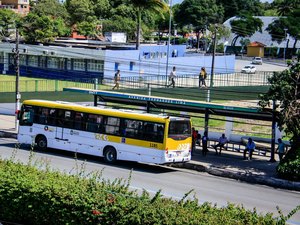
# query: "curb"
[[246, 177]]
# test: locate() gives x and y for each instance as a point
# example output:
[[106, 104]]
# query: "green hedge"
[[289, 167], [36, 195]]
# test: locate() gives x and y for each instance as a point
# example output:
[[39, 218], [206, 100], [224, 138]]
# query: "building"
[[75, 62], [256, 49], [18, 6]]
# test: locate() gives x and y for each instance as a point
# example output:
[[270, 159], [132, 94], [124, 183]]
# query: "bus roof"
[[103, 111]]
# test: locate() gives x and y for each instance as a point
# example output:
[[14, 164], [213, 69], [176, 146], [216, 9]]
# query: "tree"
[[8, 20], [120, 24], [43, 28], [199, 14], [284, 91], [50, 8], [282, 26], [102, 8], [245, 26], [79, 10], [88, 28], [235, 7], [244, 42], [285, 7], [145, 5]]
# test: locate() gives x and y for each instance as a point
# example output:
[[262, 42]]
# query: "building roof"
[[256, 44]]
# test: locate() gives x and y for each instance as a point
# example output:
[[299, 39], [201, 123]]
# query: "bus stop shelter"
[[206, 108]]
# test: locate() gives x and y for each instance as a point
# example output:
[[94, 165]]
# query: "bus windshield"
[[179, 129]]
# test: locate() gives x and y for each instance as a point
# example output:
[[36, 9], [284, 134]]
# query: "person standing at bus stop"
[[280, 149], [204, 143], [117, 79], [194, 138]]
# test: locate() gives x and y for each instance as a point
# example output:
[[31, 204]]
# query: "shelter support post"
[[206, 120], [273, 133], [95, 100], [148, 107]]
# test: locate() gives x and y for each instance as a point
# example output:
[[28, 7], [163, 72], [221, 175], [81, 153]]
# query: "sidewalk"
[[230, 164], [7, 126]]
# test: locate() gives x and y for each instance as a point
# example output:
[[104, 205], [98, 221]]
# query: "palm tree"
[[150, 5], [285, 7]]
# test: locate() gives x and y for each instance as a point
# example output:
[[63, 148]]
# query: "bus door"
[[63, 125]]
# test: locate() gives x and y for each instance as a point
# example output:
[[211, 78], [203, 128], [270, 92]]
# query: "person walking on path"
[[222, 141], [117, 79], [280, 148], [202, 77], [204, 143], [249, 147], [172, 77]]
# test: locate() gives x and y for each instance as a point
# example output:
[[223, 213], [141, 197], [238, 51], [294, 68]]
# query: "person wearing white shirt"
[[172, 76], [222, 141], [249, 147]]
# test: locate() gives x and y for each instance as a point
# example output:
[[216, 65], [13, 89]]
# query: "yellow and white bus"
[[110, 133]]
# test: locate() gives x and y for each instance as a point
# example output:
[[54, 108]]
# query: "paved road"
[[266, 66], [173, 182]]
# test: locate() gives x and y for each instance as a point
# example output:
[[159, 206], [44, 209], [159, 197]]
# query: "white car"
[[249, 69], [257, 60]]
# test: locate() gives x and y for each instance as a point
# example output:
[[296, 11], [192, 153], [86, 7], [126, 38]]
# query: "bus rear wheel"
[[110, 155], [41, 143]]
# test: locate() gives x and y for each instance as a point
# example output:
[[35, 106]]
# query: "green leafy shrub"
[[33, 196], [289, 167]]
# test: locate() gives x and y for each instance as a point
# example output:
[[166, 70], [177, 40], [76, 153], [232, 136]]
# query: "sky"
[[179, 1]]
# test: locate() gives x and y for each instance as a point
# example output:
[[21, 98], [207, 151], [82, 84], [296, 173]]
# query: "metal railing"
[[136, 82], [219, 80]]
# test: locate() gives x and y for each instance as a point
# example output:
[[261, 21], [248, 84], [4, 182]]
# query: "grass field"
[[224, 94], [27, 84]]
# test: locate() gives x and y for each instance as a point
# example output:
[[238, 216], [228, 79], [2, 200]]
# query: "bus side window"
[[139, 133], [112, 125], [60, 118], [52, 116], [149, 131], [68, 119], [78, 121], [44, 116], [160, 133], [92, 123], [27, 117], [128, 128]]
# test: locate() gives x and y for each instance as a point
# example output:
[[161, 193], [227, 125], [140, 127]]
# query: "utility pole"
[[169, 38], [212, 64], [17, 70], [284, 52]]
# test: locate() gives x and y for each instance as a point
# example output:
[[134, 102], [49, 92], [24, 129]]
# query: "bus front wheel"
[[41, 143], [110, 155]]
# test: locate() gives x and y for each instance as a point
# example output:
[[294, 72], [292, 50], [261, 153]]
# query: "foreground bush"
[[38, 196], [289, 167]]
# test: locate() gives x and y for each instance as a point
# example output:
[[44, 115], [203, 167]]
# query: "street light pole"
[[169, 38], [17, 70], [212, 65], [284, 52], [175, 32]]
